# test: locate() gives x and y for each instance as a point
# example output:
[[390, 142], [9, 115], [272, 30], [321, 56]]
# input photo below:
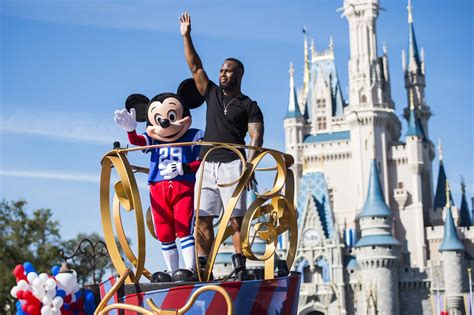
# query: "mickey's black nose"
[[164, 123]]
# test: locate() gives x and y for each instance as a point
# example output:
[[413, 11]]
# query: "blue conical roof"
[[293, 108], [414, 64], [465, 218], [375, 205], [414, 126], [451, 241], [440, 195]]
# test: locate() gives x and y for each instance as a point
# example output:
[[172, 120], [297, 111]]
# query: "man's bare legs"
[[205, 236]]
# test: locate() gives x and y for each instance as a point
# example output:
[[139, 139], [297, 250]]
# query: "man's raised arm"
[[192, 58]]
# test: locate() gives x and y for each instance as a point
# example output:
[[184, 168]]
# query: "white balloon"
[[51, 293], [31, 276], [23, 285], [14, 291], [43, 276], [46, 300], [37, 283], [67, 282], [58, 302], [50, 284], [39, 292], [46, 310]]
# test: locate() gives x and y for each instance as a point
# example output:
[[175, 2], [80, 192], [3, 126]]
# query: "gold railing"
[[102, 309], [274, 209]]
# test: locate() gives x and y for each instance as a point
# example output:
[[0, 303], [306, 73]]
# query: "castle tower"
[[414, 211], [452, 251], [294, 126], [378, 251], [366, 76], [414, 72], [370, 116]]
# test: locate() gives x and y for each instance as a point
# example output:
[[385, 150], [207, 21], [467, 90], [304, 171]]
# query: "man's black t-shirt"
[[230, 128]]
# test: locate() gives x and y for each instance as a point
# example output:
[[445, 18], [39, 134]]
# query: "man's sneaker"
[[238, 260], [202, 267], [161, 276], [183, 275]]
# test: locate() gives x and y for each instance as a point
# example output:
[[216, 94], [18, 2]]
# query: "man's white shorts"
[[214, 198]]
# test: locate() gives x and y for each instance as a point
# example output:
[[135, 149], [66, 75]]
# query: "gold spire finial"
[[410, 12], [292, 70], [412, 106], [313, 49], [440, 150], [331, 43], [448, 200]]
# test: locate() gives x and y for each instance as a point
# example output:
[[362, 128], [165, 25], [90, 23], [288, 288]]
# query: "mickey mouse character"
[[172, 169]]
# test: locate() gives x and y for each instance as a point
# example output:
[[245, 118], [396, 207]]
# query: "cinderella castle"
[[376, 235]]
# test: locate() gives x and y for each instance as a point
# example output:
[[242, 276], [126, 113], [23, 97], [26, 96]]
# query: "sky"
[[66, 66]]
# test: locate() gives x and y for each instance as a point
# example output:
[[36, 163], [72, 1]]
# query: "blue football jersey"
[[184, 154]]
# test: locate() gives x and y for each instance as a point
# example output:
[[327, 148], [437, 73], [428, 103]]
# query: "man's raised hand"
[[185, 24]]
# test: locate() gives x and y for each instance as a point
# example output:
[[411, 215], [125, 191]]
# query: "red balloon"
[[66, 312], [20, 294], [24, 307], [28, 295], [19, 271], [67, 299], [33, 310]]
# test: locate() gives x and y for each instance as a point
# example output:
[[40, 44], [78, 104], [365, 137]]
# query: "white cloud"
[[52, 175], [69, 126], [66, 176]]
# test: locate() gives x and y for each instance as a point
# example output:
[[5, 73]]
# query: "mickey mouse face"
[[167, 114], [167, 118]]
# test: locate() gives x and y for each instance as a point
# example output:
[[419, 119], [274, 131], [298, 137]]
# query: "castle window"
[[331, 197], [399, 185], [321, 123]]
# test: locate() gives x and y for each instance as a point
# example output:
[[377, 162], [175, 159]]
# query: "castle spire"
[[451, 241], [306, 65], [375, 219], [375, 203], [293, 108], [464, 217], [414, 125], [414, 63], [440, 195]]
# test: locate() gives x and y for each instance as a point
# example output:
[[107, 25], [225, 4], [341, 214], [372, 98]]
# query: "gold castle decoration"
[[274, 210]]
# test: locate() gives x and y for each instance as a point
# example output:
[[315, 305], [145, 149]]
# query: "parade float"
[[273, 290]]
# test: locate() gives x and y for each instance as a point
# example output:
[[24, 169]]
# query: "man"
[[230, 114]]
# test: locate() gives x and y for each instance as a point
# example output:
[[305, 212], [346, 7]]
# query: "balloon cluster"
[[50, 295]]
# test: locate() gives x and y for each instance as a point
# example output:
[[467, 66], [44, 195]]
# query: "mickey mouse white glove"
[[170, 169], [126, 120]]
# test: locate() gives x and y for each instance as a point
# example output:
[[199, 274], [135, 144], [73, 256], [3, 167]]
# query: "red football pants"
[[172, 207]]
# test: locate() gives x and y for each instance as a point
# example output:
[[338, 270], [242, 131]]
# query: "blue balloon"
[[18, 305], [61, 293], [20, 313], [55, 270], [28, 267], [66, 306], [90, 298], [78, 294]]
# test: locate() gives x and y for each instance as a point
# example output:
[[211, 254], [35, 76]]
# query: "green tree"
[[24, 237]]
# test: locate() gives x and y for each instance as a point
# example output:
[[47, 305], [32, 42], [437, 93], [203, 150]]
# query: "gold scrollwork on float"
[[276, 205], [103, 308]]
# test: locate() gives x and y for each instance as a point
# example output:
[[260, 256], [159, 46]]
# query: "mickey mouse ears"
[[188, 91], [140, 103]]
